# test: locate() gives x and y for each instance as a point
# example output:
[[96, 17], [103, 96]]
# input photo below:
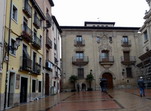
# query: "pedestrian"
[[141, 86], [103, 85], [78, 87]]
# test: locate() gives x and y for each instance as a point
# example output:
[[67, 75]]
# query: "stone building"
[[102, 49], [145, 47]]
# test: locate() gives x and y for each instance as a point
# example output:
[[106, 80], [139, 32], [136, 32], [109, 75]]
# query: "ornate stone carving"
[[148, 1]]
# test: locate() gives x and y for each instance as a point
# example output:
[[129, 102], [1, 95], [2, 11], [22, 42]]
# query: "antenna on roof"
[[98, 19]]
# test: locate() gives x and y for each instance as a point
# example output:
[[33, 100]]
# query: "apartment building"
[[145, 48], [22, 67], [2, 23], [56, 55], [103, 50], [51, 49]]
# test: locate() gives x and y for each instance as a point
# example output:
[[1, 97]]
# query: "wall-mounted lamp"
[[17, 43]]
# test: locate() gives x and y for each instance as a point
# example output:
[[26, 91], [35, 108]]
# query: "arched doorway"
[[83, 87], [109, 78]]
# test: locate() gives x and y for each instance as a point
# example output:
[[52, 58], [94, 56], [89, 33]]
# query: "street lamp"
[[17, 43], [91, 71]]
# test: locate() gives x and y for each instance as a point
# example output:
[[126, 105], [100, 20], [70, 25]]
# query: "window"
[[129, 72], [39, 86], [105, 54], [79, 55], [33, 85], [40, 61], [110, 39], [125, 39], [40, 40], [14, 13], [126, 55], [34, 61], [35, 35], [145, 36], [47, 55], [12, 48], [25, 24], [80, 73], [79, 38], [98, 39]]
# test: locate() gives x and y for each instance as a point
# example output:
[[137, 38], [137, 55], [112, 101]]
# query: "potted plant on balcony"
[[73, 80], [89, 79]]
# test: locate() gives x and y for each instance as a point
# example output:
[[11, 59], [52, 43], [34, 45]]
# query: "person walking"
[[78, 87], [141, 86], [103, 85]]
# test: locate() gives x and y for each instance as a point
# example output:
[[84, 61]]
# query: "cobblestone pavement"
[[114, 100]]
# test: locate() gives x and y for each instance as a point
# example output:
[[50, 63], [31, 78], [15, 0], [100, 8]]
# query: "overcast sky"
[[123, 12]]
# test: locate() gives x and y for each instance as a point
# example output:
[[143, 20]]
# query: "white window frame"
[[10, 50], [16, 20]]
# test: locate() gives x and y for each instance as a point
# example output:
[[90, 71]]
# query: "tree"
[[89, 79], [73, 80]]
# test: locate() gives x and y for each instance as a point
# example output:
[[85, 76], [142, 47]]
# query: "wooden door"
[[109, 78], [47, 84]]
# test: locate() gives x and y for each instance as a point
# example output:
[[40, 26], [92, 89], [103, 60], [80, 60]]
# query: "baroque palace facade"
[[30, 42], [102, 49]]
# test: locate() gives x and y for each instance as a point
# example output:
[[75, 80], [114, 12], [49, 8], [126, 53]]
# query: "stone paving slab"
[[115, 100]]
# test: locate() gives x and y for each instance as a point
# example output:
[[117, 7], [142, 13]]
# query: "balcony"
[[48, 65], [128, 61], [48, 42], [106, 60], [36, 68], [26, 33], [37, 22], [80, 61], [126, 43], [25, 64], [48, 20], [27, 9], [79, 43], [36, 42]]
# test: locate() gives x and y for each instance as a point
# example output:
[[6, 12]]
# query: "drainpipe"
[[7, 63]]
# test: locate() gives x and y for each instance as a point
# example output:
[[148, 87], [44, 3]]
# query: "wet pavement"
[[114, 100]]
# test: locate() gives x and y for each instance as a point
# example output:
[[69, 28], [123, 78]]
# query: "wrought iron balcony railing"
[[80, 61], [106, 60], [128, 60], [79, 43], [26, 33], [48, 65], [36, 68], [36, 42], [126, 43], [26, 64], [48, 42]]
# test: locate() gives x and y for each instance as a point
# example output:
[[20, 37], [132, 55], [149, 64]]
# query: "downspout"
[[7, 63], [30, 91]]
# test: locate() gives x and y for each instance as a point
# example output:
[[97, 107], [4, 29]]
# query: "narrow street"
[[114, 100]]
